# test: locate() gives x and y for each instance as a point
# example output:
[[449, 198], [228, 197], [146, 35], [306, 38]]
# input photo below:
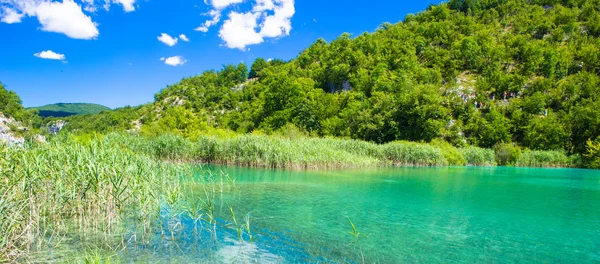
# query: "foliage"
[[506, 154], [10, 105], [453, 155], [593, 154]]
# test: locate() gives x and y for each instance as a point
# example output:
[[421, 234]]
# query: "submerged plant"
[[357, 237]]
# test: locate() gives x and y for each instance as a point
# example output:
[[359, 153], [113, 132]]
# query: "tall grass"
[[479, 157], [311, 153], [278, 152], [535, 158], [50, 192]]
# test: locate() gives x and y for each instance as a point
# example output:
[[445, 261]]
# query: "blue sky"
[[109, 52]]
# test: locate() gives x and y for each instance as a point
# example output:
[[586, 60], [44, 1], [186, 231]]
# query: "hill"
[[69, 109], [484, 73]]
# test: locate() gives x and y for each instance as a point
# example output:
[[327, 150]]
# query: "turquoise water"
[[410, 215]]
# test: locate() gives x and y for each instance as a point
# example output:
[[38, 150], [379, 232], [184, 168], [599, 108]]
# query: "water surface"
[[413, 215]]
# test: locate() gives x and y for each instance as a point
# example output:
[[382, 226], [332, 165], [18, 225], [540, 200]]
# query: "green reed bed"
[[309, 152], [479, 156], [52, 191], [277, 152], [552, 159]]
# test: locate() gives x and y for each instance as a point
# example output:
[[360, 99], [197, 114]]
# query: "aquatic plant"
[[538, 158], [357, 237], [51, 191], [479, 156]]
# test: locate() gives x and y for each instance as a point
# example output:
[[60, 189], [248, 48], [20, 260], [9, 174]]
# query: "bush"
[[506, 154], [592, 156], [452, 154]]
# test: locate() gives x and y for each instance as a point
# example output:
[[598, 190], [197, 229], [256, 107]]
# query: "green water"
[[415, 215]]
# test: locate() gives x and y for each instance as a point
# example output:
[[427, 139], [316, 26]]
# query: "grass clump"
[[538, 158], [413, 154], [479, 156]]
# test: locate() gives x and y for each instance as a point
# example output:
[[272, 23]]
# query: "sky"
[[122, 52]]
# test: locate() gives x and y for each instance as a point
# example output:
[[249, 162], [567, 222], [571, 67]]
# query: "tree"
[[546, 133], [10, 104], [257, 66]]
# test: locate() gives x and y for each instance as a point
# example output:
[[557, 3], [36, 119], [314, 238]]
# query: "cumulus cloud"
[[239, 30], [60, 16], [165, 38], [279, 24], [243, 29], [10, 16], [174, 61], [184, 38], [50, 55], [64, 17]]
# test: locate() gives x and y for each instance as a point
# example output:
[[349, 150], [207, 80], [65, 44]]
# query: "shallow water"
[[408, 215]]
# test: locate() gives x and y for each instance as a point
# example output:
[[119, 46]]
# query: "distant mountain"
[[69, 109]]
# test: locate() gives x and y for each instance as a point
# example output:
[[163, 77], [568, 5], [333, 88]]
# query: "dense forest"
[[482, 73]]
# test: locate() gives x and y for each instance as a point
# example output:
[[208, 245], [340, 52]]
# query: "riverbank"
[[330, 153]]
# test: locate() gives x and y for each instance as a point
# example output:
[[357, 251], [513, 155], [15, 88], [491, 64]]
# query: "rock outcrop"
[[6, 136]]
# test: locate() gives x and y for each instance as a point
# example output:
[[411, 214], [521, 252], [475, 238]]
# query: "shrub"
[[506, 154], [452, 154]]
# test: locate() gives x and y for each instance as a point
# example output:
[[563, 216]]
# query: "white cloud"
[[10, 16], [66, 18], [127, 4], [89, 6], [184, 38], [239, 30], [165, 38], [215, 18], [174, 61], [50, 55], [262, 5], [267, 19], [220, 4], [279, 24]]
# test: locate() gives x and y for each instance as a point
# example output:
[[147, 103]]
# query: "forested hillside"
[[470, 72], [69, 109], [11, 107]]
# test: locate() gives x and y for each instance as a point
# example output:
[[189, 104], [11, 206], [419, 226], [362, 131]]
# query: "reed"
[[50, 192], [278, 152], [536, 158], [479, 157]]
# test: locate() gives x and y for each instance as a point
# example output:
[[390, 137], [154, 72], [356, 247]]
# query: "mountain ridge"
[[69, 109]]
